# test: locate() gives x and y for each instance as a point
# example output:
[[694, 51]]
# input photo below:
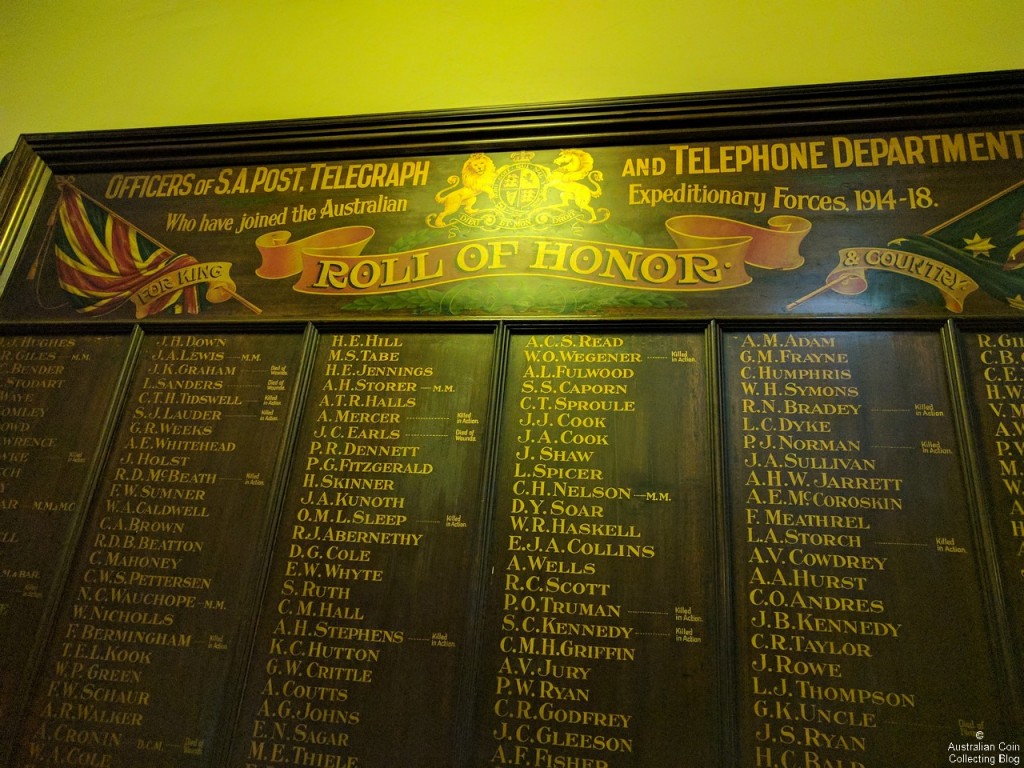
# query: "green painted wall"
[[94, 64]]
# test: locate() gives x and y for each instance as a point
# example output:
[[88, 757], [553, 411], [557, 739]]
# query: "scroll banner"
[[217, 274], [711, 254], [850, 277]]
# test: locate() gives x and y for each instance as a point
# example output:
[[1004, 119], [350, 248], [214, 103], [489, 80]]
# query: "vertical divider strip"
[[727, 698], [274, 510], [470, 681]]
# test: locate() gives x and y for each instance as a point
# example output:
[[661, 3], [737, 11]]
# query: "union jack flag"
[[102, 260]]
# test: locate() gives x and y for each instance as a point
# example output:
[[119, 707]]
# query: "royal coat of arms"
[[521, 194]]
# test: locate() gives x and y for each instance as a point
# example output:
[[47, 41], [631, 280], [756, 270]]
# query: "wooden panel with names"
[[141, 667], [994, 363], [364, 636], [851, 540], [599, 643], [55, 393]]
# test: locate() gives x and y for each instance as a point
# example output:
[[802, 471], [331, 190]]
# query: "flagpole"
[[816, 291], [972, 209], [35, 269], [37, 262], [244, 302]]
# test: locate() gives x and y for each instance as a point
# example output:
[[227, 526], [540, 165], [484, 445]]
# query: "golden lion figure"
[[478, 175], [574, 166]]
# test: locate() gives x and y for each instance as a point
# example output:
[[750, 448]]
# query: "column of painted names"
[[140, 663], [48, 444], [599, 647], [995, 367], [848, 509], [367, 608]]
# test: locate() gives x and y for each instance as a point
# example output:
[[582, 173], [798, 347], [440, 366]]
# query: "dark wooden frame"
[[940, 102], [944, 101]]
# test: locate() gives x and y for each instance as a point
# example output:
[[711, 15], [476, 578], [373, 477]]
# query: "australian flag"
[[985, 242]]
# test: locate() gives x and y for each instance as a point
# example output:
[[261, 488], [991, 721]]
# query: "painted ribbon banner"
[[217, 274], [850, 277], [712, 254]]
